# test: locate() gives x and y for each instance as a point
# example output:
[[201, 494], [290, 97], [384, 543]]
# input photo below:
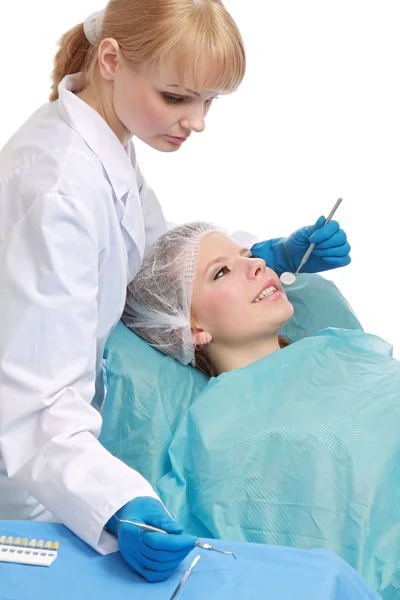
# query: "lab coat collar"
[[97, 134]]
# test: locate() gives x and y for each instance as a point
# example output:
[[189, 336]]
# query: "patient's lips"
[[270, 291]]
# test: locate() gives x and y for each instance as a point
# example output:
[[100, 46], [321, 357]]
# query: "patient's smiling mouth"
[[271, 291]]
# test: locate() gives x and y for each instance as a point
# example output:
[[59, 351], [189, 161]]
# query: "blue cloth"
[[301, 448], [148, 393], [260, 571]]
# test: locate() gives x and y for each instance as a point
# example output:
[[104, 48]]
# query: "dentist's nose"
[[195, 121]]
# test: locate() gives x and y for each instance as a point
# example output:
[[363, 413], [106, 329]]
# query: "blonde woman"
[[76, 219]]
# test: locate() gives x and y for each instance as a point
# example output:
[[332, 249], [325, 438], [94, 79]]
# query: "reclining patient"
[[290, 444]]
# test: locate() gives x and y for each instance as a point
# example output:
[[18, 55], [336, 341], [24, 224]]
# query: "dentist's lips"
[[275, 296], [176, 140]]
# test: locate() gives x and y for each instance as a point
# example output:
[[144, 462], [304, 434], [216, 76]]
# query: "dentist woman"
[[76, 219]]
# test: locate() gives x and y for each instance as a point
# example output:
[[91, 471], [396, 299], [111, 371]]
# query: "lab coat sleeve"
[[48, 320]]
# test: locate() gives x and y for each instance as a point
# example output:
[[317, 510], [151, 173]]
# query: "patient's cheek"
[[223, 304], [213, 303], [209, 305], [214, 307]]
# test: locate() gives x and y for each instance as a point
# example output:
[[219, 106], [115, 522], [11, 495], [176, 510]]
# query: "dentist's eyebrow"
[[190, 91], [221, 259]]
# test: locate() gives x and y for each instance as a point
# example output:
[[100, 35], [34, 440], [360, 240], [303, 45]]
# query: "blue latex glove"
[[154, 555], [284, 254]]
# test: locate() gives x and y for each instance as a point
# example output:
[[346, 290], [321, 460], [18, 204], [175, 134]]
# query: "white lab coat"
[[76, 217]]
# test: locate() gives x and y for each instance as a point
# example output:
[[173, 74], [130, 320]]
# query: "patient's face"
[[226, 291]]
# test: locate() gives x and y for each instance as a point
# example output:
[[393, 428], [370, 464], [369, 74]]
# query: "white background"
[[317, 117]]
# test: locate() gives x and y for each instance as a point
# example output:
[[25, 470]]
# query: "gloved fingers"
[[159, 547], [156, 576], [170, 543], [325, 232], [165, 522], [301, 236], [155, 559], [334, 251], [337, 261], [319, 223], [337, 239], [306, 232], [148, 574], [155, 564], [164, 556], [152, 512]]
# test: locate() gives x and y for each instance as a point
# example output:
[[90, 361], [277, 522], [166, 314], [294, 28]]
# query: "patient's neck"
[[226, 357]]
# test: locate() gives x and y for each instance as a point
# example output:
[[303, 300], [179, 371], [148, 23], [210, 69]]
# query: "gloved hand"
[[284, 254], [154, 555]]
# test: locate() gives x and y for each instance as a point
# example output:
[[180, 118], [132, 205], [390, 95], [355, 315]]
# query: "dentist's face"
[[155, 106], [236, 297]]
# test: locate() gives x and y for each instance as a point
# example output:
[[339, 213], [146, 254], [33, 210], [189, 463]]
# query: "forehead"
[[197, 74], [216, 245]]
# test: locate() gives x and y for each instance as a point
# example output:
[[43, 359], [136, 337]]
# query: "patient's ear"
[[201, 337]]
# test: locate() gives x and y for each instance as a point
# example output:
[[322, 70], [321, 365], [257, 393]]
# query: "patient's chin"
[[290, 309], [284, 314]]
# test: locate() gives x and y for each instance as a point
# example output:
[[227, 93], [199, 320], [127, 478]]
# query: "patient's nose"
[[256, 268]]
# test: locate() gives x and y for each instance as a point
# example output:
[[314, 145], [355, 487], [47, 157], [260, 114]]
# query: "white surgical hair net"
[[159, 297]]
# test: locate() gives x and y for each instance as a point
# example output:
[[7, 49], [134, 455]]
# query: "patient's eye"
[[221, 272]]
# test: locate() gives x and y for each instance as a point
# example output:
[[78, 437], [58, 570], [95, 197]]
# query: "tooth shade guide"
[[28, 552], [288, 278]]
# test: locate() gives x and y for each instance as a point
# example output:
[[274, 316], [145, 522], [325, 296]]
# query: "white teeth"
[[267, 292]]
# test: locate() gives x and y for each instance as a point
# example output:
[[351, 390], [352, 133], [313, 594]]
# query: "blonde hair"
[[204, 364], [152, 33]]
